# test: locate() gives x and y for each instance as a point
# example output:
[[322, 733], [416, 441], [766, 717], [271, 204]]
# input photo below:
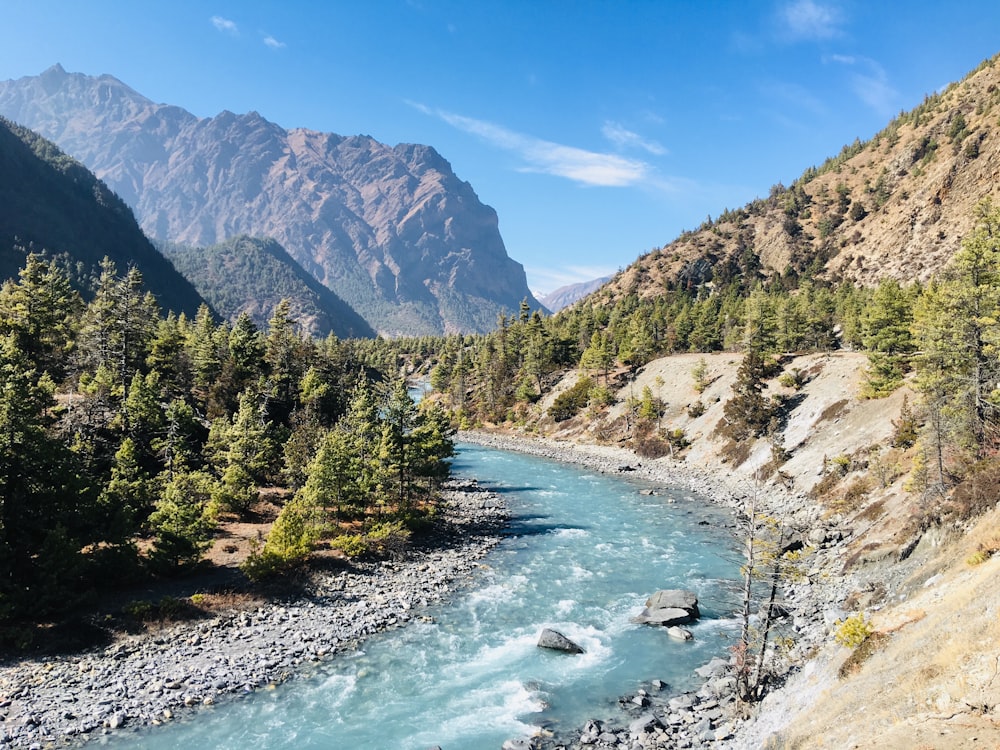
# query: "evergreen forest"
[[126, 434]]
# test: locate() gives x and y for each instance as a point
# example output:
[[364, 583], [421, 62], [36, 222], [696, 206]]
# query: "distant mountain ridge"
[[252, 275], [565, 296], [391, 230], [51, 203]]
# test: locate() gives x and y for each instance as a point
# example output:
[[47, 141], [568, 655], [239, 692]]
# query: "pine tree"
[[43, 311], [748, 412], [887, 338], [957, 335]]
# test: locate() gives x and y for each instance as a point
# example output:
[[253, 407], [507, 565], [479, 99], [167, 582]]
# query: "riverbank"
[[144, 680], [659, 720]]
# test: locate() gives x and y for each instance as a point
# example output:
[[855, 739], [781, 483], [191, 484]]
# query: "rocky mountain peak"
[[391, 230]]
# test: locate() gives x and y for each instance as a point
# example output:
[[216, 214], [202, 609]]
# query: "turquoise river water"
[[584, 552]]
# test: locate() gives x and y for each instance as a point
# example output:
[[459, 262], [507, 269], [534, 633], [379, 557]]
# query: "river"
[[584, 552]]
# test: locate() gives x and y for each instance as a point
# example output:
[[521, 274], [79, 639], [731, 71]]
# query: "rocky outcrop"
[[391, 230]]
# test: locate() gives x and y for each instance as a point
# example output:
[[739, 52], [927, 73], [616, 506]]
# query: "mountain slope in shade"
[[50, 202], [252, 275], [391, 230], [565, 296]]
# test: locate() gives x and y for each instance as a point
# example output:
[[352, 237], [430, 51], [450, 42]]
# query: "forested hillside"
[[126, 436], [252, 275], [50, 202]]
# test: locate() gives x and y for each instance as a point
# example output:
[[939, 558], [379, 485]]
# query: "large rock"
[[669, 607], [556, 641]]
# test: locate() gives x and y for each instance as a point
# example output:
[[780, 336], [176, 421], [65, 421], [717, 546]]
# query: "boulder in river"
[[669, 607], [555, 640], [679, 633]]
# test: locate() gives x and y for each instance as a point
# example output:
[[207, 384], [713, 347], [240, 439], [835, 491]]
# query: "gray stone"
[[556, 641], [680, 634], [645, 724], [669, 607], [678, 598], [667, 617]]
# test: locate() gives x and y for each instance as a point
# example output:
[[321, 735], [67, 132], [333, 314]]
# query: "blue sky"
[[597, 130]]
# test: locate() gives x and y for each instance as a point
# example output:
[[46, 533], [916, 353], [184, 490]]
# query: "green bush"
[[352, 545], [852, 631], [388, 538], [139, 610], [569, 403]]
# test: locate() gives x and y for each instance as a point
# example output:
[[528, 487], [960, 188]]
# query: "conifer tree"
[[886, 336]]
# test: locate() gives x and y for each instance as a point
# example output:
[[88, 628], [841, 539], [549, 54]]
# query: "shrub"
[[793, 379], [868, 646], [841, 464], [696, 409], [352, 545], [139, 610], [569, 403], [700, 375], [852, 631], [906, 428], [601, 396], [388, 538]]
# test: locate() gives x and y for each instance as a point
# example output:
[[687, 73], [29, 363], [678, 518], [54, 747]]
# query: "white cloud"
[[545, 157], [273, 43], [225, 25], [870, 83], [623, 138], [807, 19]]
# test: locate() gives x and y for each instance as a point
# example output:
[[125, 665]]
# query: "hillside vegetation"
[[51, 203], [895, 206], [249, 275]]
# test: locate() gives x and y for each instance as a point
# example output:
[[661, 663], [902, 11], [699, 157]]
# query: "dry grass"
[[930, 674]]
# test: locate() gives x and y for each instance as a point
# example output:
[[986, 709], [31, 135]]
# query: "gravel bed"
[[148, 679]]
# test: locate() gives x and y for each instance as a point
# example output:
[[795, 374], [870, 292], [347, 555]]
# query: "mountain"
[[50, 202], [895, 206], [252, 275], [565, 296], [391, 230]]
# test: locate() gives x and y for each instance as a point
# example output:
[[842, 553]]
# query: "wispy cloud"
[[870, 83], [225, 25], [545, 157], [808, 20], [273, 43], [622, 137]]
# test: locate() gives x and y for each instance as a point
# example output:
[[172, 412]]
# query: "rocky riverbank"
[[145, 680], [654, 717]]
